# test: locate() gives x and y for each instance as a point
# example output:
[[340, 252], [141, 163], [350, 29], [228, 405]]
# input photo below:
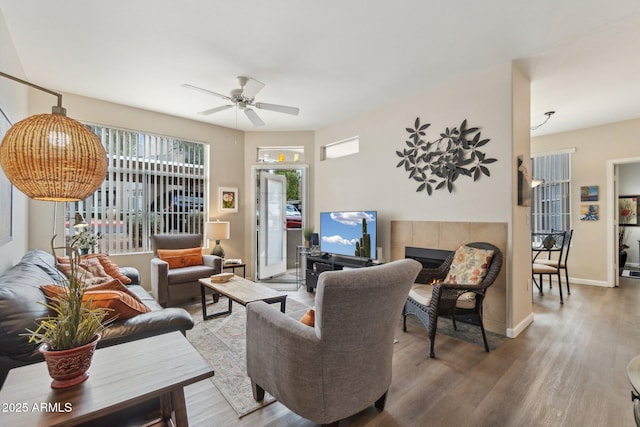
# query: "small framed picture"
[[589, 213], [589, 193], [228, 197]]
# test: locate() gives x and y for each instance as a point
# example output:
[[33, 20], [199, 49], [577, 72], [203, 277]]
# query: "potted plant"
[[307, 233], [85, 240], [69, 335]]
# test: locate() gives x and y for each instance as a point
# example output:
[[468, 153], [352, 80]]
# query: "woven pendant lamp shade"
[[52, 157]]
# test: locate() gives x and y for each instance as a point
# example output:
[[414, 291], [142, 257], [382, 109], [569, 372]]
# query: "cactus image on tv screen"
[[349, 233]]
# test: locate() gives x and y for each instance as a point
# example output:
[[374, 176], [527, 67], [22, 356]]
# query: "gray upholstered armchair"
[[171, 286], [342, 364]]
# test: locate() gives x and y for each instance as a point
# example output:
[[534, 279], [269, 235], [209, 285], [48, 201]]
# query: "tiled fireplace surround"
[[449, 235]]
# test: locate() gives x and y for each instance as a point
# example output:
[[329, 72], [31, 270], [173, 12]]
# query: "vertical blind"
[[551, 200], [154, 184]]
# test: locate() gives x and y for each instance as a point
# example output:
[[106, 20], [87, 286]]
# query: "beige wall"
[[226, 165], [450, 235], [520, 309], [593, 241], [496, 100]]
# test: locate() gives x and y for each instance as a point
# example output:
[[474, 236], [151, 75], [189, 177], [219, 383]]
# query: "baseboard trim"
[[578, 281], [514, 332]]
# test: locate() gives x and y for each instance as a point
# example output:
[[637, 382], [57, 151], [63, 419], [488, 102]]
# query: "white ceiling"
[[334, 58]]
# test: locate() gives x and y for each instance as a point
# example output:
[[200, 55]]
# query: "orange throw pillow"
[[309, 318], [179, 258], [123, 305]]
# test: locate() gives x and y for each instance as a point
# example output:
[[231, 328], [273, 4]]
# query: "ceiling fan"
[[244, 98]]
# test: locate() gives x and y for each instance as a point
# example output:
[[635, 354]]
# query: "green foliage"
[[72, 323], [441, 162], [307, 233], [293, 183]]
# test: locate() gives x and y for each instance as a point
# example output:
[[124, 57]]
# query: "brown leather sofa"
[[20, 307]]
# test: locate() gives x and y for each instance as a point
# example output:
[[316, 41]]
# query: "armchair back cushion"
[[343, 364]]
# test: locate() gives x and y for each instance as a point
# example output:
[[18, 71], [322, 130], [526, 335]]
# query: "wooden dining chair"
[[552, 243]]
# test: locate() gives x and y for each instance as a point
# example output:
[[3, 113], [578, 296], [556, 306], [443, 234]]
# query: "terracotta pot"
[[69, 367]]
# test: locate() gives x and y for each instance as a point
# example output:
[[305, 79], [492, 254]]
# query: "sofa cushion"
[[469, 265], [189, 274], [121, 304], [109, 267], [20, 306], [180, 258], [309, 318], [421, 293]]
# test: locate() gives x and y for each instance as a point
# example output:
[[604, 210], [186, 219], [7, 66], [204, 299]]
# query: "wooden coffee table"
[[242, 291], [120, 377]]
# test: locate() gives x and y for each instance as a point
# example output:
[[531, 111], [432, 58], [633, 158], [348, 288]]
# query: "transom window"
[[154, 184]]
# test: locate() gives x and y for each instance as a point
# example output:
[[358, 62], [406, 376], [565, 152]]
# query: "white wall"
[[629, 185], [13, 100]]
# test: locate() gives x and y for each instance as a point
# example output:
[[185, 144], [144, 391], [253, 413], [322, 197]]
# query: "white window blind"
[[551, 200], [154, 184]]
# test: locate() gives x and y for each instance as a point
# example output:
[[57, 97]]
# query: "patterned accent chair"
[[342, 364], [432, 297]]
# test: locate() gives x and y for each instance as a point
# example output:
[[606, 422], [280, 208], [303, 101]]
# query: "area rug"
[[631, 273], [466, 332], [222, 342]]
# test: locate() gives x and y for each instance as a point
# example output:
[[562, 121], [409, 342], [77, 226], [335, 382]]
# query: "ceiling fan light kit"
[[243, 98]]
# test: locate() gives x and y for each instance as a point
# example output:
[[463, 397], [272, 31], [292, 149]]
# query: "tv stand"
[[327, 262]]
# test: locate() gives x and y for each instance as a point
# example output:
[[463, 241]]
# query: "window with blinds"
[[551, 200], [154, 184]]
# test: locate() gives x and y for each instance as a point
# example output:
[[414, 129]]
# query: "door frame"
[[304, 197], [612, 213]]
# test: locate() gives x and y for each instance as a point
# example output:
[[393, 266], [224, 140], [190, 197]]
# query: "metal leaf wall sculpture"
[[438, 164]]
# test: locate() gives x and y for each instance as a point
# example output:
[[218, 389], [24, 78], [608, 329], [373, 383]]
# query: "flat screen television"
[[349, 233]]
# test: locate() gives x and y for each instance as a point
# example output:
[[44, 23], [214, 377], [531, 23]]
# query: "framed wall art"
[[589, 193], [628, 210], [228, 197], [589, 213]]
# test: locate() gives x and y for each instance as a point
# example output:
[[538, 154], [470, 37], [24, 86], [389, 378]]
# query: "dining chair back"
[[554, 243]]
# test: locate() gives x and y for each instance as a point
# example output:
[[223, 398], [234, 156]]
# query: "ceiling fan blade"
[[251, 88], [257, 121], [199, 89], [278, 108], [215, 110]]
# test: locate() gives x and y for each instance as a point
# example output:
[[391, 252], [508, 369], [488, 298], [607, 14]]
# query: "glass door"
[[272, 229]]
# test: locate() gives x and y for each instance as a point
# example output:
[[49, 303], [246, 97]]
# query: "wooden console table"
[[120, 377]]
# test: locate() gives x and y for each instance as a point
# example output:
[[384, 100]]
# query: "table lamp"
[[218, 230]]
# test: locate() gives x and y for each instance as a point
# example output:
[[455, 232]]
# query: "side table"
[[120, 377], [233, 267]]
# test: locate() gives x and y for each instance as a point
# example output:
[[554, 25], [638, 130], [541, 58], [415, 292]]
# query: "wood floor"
[[566, 369]]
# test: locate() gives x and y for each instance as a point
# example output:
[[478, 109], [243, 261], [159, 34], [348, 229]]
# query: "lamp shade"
[[218, 230], [52, 157]]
